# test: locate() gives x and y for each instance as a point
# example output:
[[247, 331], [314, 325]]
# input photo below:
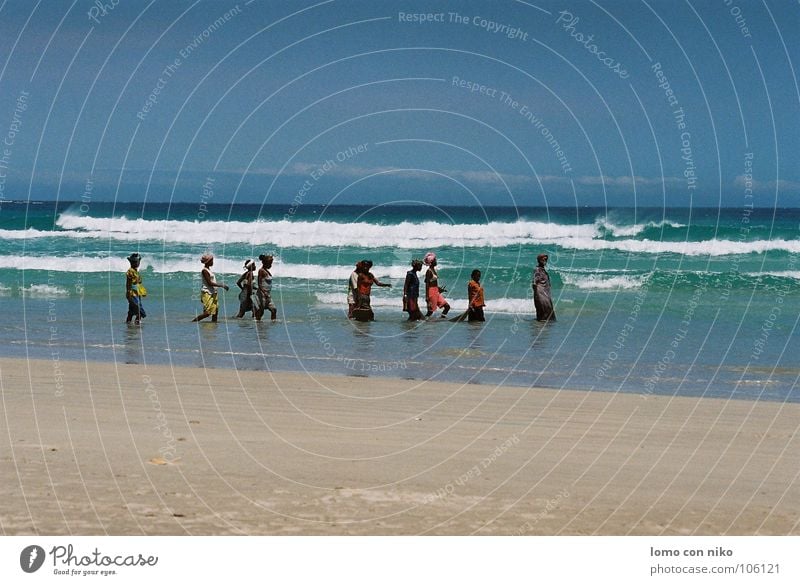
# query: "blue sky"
[[256, 97]]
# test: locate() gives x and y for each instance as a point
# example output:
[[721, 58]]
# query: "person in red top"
[[363, 310], [475, 295]]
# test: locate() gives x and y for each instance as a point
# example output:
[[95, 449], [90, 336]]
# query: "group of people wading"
[[255, 293], [361, 281]]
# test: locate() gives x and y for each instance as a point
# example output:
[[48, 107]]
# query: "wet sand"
[[102, 448]]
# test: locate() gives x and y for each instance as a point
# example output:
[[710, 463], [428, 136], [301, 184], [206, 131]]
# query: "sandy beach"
[[104, 448]]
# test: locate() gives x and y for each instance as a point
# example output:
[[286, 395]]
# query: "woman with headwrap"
[[433, 292], [352, 289], [208, 291], [542, 299], [248, 300], [265, 288], [363, 310], [134, 290], [411, 291]]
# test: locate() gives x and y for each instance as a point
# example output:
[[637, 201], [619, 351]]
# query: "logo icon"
[[31, 558]]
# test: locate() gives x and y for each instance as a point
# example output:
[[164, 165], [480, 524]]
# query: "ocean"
[[694, 302]]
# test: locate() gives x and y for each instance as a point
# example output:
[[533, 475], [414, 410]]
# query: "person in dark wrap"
[[411, 292], [542, 297]]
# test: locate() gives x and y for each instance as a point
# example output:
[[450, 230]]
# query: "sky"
[[510, 102]]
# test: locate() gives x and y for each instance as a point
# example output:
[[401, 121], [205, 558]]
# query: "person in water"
[[208, 291], [433, 292], [265, 288], [134, 290], [363, 309], [542, 297], [352, 289], [475, 296], [411, 291], [248, 300]]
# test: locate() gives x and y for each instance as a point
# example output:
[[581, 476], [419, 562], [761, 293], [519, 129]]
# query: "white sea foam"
[[604, 282], [636, 229], [299, 234], [66, 264], [30, 234], [187, 264], [703, 248], [44, 291], [793, 274], [406, 235]]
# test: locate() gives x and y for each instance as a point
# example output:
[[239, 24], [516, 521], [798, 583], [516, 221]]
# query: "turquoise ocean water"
[[649, 301]]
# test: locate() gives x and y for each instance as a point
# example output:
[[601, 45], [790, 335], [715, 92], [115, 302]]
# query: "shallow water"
[[653, 301]]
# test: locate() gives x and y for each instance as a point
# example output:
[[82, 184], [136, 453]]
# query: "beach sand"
[[103, 448]]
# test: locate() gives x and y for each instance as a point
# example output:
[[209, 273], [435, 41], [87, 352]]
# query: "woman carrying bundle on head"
[[248, 299], [433, 292], [265, 288], [363, 309], [208, 290], [352, 289], [134, 290], [411, 291], [542, 296]]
